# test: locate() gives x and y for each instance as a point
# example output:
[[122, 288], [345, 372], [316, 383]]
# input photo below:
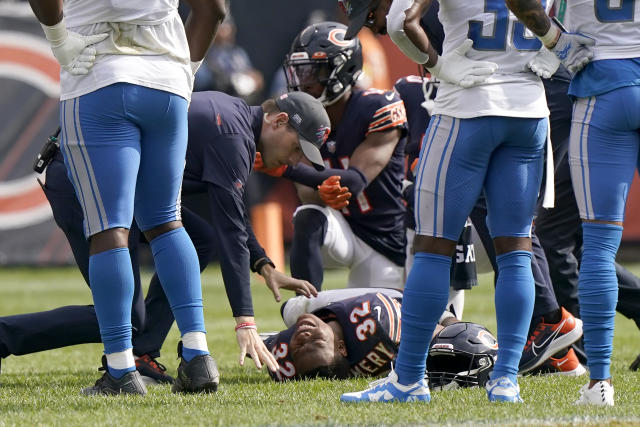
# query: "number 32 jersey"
[[514, 90], [371, 327]]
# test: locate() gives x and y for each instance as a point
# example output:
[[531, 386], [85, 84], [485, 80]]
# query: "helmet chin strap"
[[323, 97]]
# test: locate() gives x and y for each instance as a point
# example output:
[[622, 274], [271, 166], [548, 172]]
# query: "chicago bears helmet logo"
[[336, 36], [488, 339]]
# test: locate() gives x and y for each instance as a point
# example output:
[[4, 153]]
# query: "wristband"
[[246, 325], [56, 34], [257, 266], [551, 37]]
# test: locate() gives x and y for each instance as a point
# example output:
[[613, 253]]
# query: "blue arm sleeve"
[[352, 177]]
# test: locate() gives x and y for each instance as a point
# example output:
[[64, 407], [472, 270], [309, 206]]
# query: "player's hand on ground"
[[334, 195], [454, 67], [574, 50], [250, 344], [277, 280], [545, 63], [258, 165]]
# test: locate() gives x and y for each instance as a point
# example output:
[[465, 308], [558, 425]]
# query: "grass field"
[[42, 389]]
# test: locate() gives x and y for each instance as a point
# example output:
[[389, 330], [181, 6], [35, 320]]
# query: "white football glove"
[[73, 51], [574, 50], [456, 68], [545, 63]]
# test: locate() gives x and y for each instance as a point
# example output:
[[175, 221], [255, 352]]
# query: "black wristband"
[[257, 266]]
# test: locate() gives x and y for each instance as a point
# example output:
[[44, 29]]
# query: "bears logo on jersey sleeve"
[[390, 112], [371, 326]]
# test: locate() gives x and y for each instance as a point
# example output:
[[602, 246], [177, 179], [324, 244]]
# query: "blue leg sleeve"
[[111, 279], [178, 269], [425, 298], [598, 294], [515, 294]]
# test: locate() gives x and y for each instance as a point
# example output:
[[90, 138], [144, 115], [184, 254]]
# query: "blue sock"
[[178, 269], [515, 295], [598, 294], [112, 284], [425, 298]]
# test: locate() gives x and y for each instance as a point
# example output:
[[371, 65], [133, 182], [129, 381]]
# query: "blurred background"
[[245, 61]]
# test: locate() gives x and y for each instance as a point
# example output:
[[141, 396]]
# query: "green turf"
[[42, 389]]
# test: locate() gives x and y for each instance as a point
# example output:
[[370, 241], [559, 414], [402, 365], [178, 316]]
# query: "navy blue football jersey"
[[371, 326], [377, 213], [416, 92]]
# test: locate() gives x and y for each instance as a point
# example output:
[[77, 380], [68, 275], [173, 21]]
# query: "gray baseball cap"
[[309, 118], [356, 11]]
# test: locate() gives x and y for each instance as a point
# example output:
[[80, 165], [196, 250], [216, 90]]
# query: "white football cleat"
[[600, 394]]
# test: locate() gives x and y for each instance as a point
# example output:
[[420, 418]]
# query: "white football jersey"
[[83, 12], [614, 24], [147, 46], [514, 90]]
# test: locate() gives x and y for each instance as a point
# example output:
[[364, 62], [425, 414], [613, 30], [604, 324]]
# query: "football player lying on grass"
[[356, 332]]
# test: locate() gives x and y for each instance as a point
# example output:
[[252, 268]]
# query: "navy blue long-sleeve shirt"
[[223, 132]]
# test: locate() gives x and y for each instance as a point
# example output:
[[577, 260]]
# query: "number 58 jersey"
[[513, 90]]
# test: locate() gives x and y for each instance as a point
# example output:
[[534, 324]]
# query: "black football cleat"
[[636, 364], [199, 375], [129, 383], [152, 371]]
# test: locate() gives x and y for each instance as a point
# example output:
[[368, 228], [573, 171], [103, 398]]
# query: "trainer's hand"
[[454, 67], [277, 280], [545, 63], [250, 344], [574, 50], [258, 165], [73, 51], [332, 194]]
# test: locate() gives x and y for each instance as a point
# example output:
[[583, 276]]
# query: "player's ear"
[[342, 348]]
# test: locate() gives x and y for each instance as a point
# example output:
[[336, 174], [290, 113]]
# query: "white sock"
[[195, 341], [456, 302], [121, 359]]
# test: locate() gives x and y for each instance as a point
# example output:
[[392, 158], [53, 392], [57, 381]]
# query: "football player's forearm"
[[531, 14], [202, 25], [416, 33], [352, 178], [48, 12]]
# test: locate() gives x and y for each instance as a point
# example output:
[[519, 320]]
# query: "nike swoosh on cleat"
[[562, 363], [551, 337]]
